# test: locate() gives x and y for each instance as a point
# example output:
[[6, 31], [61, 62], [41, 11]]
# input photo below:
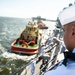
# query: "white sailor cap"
[[67, 15]]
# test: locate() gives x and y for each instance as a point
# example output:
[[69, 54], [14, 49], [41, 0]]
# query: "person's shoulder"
[[50, 72], [57, 71]]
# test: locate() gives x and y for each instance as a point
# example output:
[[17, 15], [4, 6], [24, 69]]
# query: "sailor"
[[49, 40], [33, 64], [67, 19], [45, 58], [61, 43]]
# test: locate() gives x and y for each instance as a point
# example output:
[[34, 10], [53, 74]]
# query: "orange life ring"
[[22, 42], [25, 43], [31, 43]]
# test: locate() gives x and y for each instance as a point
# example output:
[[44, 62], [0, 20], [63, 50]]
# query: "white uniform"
[[42, 50], [33, 64], [50, 39], [64, 70], [62, 43]]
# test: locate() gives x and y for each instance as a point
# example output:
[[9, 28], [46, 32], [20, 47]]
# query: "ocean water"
[[10, 29]]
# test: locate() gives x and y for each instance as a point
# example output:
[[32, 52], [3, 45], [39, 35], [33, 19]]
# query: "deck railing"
[[52, 50]]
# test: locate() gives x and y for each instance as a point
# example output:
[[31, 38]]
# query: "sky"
[[33, 8]]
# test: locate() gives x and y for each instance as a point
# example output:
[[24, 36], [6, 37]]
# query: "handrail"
[[48, 62], [21, 69], [31, 62]]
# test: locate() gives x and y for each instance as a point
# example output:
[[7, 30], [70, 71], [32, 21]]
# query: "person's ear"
[[73, 30], [73, 33]]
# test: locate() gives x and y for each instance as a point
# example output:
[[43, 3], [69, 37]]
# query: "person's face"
[[67, 36]]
